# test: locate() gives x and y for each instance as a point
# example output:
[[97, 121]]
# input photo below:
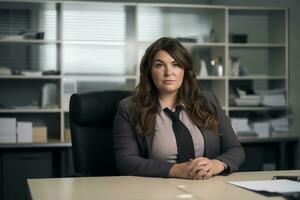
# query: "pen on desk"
[[292, 178]]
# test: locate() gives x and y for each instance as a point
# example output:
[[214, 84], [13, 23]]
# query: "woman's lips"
[[168, 81]]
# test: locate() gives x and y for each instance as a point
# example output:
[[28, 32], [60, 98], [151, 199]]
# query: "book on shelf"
[[24, 131], [8, 129]]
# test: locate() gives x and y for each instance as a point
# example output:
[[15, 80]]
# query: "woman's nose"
[[168, 70]]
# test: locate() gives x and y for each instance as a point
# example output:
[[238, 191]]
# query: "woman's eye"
[[158, 65], [176, 65]]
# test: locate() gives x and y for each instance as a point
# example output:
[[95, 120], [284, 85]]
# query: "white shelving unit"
[[99, 45]]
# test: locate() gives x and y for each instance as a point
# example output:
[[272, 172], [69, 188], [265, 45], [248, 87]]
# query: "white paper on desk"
[[280, 186]]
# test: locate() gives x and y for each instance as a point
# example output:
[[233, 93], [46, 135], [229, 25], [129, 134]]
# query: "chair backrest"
[[91, 123]]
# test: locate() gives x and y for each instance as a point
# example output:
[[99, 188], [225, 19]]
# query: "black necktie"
[[185, 145]]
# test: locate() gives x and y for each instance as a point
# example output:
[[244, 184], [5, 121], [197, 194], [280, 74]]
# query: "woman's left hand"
[[204, 168]]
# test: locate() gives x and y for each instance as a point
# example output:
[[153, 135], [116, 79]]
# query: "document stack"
[[241, 127], [247, 99], [280, 125], [274, 98], [262, 129], [8, 130]]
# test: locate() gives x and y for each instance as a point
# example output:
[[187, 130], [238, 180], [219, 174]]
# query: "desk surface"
[[130, 187]]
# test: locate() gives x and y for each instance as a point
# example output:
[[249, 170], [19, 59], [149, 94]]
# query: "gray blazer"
[[131, 151]]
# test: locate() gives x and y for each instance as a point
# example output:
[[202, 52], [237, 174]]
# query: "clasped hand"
[[198, 168]]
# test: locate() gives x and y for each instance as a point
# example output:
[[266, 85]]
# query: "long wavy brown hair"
[[145, 96]]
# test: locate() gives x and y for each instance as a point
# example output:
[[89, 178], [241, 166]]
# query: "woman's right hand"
[[181, 170], [199, 168]]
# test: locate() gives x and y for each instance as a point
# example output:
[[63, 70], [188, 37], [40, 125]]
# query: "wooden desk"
[[130, 187]]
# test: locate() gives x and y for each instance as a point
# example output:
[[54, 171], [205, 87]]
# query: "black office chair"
[[91, 122]]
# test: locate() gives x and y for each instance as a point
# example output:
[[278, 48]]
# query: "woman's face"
[[166, 73]]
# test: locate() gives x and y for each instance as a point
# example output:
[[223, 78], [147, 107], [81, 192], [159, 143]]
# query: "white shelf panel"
[[95, 42], [203, 44], [256, 45], [188, 44], [253, 8], [213, 7], [256, 77], [256, 108], [32, 41], [30, 77], [100, 76], [30, 110], [210, 78]]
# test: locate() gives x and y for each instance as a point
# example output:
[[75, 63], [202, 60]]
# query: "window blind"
[[105, 27]]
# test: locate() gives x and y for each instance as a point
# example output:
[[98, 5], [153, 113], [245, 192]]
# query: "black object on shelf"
[[31, 35], [51, 72], [238, 38], [186, 39]]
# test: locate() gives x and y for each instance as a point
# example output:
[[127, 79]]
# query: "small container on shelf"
[[217, 66]]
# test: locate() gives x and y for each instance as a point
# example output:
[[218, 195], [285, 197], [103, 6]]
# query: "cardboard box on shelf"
[[39, 134]]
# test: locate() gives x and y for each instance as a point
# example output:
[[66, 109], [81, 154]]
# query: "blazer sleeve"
[[127, 153], [232, 152]]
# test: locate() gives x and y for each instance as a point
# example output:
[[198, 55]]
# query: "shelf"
[[256, 45], [98, 76], [52, 77], [256, 77], [203, 44], [256, 139], [95, 42], [256, 108], [210, 78], [188, 44], [30, 110], [31, 41], [49, 144]]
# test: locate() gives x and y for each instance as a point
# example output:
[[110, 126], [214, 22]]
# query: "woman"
[[147, 139]]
